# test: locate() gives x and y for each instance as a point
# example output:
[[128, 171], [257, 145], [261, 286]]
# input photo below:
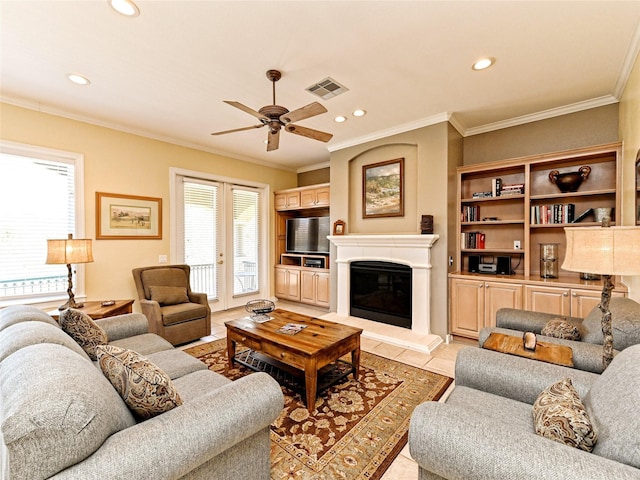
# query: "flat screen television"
[[308, 235]]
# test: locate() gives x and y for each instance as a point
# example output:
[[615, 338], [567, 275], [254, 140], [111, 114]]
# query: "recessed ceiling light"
[[340, 119], [359, 113], [125, 7], [79, 79], [483, 63]]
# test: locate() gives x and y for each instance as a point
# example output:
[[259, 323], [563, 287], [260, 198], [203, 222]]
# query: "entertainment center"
[[302, 247]]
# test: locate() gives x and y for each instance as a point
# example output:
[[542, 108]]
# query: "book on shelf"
[[496, 187], [473, 240], [583, 215], [481, 195], [470, 213], [552, 214], [512, 189]]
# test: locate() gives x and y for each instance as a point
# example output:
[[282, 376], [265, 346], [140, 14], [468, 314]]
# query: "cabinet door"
[[281, 282], [583, 301], [499, 295], [287, 284], [308, 198], [287, 200], [547, 299], [323, 196], [293, 200], [308, 287], [467, 307], [323, 288], [293, 285], [280, 201]]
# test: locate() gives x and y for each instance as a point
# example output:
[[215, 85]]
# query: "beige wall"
[[314, 177], [117, 162], [630, 135], [581, 129], [431, 154]]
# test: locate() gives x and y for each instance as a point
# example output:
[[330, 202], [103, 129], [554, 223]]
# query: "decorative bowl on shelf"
[[570, 181], [260, 310]]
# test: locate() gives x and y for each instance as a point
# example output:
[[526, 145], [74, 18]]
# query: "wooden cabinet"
[[565, 301], [508, 225], [287, 283], [315, 197], [299, 277], [287, 200], [474, 303], [314, 287]]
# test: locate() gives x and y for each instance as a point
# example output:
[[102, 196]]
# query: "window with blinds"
[[37, 202], [246, 235], [201, 231]]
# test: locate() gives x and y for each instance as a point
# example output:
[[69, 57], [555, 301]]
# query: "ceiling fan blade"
[[246, 109], [307, 111], [273, 140], [238, 129], [309, 133]]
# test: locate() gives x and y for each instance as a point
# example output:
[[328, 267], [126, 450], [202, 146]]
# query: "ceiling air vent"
[[327, 88]]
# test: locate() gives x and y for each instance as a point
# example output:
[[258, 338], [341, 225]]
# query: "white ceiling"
[[165, 73]]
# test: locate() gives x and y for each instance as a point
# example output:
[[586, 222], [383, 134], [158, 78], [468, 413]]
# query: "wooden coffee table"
[[319, 344]]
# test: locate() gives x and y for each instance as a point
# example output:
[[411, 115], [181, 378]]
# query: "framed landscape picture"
[[126, 217], [383, 189]]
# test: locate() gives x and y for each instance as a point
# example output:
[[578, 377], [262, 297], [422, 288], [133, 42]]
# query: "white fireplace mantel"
[[411, 250]]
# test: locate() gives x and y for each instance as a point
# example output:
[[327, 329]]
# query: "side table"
[[96, 311]]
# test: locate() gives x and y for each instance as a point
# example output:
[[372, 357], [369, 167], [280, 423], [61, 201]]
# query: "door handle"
[[220, 262]]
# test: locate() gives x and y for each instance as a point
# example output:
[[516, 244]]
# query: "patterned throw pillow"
[[560, 415], [169, 295], [87, 333], [147, 390], [560, 328]]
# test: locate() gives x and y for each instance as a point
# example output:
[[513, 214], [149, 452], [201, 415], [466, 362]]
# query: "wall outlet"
[[162, 259], [516, 244]]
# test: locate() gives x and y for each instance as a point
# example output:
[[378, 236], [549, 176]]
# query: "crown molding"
[[542, 115], [627, 65], [405, 127], [141, 133], [317, 166]]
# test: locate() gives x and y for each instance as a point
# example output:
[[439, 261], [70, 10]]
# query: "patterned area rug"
[[356, 428]]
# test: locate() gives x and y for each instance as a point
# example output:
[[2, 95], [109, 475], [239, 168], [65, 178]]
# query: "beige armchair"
[[173, 310]]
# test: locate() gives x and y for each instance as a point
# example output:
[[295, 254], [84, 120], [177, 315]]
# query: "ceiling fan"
[[275, 117]]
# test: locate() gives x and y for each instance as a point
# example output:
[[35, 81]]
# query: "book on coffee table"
[[291, 328]]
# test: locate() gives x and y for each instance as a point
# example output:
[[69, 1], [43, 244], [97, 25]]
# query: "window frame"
[[77, 160]]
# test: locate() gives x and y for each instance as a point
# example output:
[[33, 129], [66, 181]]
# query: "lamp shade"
[[69, 251], [603, 250]]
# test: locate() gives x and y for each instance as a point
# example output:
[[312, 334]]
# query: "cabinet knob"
[[575, 294], [243, 339], [281, 354], [565, 294]]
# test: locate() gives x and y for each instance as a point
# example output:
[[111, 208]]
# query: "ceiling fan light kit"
[[275, 117]]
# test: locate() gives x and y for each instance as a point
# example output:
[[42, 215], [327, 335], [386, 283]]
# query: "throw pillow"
[[560, 328], [87, 333], [560, 415], [147, 390], [169, 295]]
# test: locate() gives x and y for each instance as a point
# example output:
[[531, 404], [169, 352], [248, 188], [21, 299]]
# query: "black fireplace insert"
[[381, 291]]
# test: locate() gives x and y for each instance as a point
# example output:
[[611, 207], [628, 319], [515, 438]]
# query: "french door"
[[221, 236]]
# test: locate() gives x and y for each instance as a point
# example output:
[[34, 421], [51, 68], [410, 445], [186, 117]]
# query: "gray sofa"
[[485, 429], [61, 418], [587, 353]]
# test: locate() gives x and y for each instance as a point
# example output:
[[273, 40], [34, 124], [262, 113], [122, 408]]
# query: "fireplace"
[[412, 251], [381, 291]]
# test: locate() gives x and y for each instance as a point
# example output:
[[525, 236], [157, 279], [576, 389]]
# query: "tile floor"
[[441, 360]]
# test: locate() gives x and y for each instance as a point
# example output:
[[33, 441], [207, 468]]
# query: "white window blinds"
[[37, 202], [201, 233], [246, 239]]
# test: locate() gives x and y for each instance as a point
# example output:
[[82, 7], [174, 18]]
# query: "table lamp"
[[69, 251], [605, 251]]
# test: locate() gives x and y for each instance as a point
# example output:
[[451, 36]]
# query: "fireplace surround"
[[411, 250]]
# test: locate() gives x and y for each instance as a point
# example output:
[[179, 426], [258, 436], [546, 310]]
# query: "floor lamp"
[[69, 251], [606, 251]]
